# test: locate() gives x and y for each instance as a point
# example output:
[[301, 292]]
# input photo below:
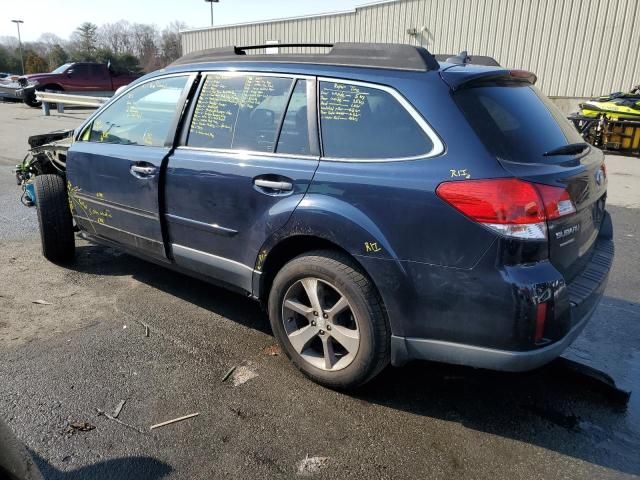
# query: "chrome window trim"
[[438, 146], [131, 86], [248, 153], [232, 72]]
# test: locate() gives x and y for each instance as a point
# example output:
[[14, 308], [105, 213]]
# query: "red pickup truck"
[[82, 77]]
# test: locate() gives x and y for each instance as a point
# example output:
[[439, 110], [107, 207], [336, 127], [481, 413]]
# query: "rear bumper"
[[582, 297], [405, 349]]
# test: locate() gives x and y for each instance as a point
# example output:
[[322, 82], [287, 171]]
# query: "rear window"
[[516, 123]]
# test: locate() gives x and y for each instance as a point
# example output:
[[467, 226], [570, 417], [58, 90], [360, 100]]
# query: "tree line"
[[130, 47]]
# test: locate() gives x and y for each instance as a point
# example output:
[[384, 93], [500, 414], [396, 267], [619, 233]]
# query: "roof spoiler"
[[458, 80], [463, 58]]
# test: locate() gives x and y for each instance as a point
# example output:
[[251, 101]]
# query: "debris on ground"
[[117, 420], [146, 330], [175, 420], [272, 350], [79, 427], [239, 412], [42, 302], [118, 408], [311, 465], [597, 379], [228, 374], [242, 374]]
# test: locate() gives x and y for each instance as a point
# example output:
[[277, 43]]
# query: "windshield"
[[61, 68], [515, 122]]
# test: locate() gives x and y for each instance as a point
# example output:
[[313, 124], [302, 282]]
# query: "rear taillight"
[[557, 202], [509, 206]]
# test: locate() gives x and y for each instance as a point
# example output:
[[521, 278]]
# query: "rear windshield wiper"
[[571, 149]]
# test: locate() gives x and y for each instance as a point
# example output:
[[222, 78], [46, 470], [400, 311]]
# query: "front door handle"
[[273, 185], [142, 171]]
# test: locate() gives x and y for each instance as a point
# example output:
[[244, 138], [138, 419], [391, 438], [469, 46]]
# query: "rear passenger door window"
[[367, 123], [239, 112], [81, 70]]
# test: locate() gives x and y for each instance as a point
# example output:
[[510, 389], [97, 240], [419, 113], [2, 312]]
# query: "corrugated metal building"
[[578, 48]]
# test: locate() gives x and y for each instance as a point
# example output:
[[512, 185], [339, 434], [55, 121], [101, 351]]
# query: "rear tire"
[[341, 347], [54, 218]]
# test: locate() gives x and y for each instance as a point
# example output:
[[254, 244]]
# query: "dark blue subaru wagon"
[[384, 207]]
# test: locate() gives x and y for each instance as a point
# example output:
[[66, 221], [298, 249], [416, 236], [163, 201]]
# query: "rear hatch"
[[534, 142]]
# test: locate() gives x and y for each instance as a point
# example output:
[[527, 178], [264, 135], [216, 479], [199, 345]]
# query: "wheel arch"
[[51, 86], [323, 221], [284, 250], [387, 276]]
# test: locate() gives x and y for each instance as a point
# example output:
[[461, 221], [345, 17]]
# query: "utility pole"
[[211, 2], [18, 22]]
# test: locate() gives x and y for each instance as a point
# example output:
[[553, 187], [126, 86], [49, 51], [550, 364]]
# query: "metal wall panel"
[[578, 48]]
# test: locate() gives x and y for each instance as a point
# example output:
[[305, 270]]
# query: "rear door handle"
[[142, 171], [273, 185]]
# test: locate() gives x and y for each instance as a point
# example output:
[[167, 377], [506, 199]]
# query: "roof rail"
[[242, 50], [394, 56]]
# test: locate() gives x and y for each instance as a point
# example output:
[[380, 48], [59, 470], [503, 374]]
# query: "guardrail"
[[62, 99]]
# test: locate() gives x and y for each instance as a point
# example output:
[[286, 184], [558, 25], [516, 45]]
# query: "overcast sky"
[[63, 16]]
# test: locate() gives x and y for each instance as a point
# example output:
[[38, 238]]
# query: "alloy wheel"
[[320, 324]]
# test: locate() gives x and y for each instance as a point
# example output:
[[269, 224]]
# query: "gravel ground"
[[87, 349]]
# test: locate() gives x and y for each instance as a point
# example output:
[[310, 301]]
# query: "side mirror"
[[70, 72]]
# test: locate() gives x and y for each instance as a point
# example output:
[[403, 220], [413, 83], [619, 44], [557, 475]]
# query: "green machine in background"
[[612, 122]]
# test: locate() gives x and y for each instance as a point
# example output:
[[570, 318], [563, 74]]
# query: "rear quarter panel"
[[387, 215]]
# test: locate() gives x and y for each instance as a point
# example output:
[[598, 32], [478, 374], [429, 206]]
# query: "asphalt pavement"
[[112, 328]]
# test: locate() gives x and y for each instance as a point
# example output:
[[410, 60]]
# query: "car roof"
[[391, 56]]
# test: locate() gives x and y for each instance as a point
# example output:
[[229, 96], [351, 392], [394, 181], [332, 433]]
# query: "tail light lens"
[[557, 202], [509, 206]]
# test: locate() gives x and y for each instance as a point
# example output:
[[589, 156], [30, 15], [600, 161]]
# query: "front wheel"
[[327, 316], [54, 218], [30, 99]]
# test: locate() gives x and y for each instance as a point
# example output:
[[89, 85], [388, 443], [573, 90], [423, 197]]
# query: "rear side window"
[[80, 69], [516, 123], [359, 122], [96, 70], [241, 112]]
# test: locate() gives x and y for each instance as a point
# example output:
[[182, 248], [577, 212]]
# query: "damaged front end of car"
[[48, 154], [20, 89]]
